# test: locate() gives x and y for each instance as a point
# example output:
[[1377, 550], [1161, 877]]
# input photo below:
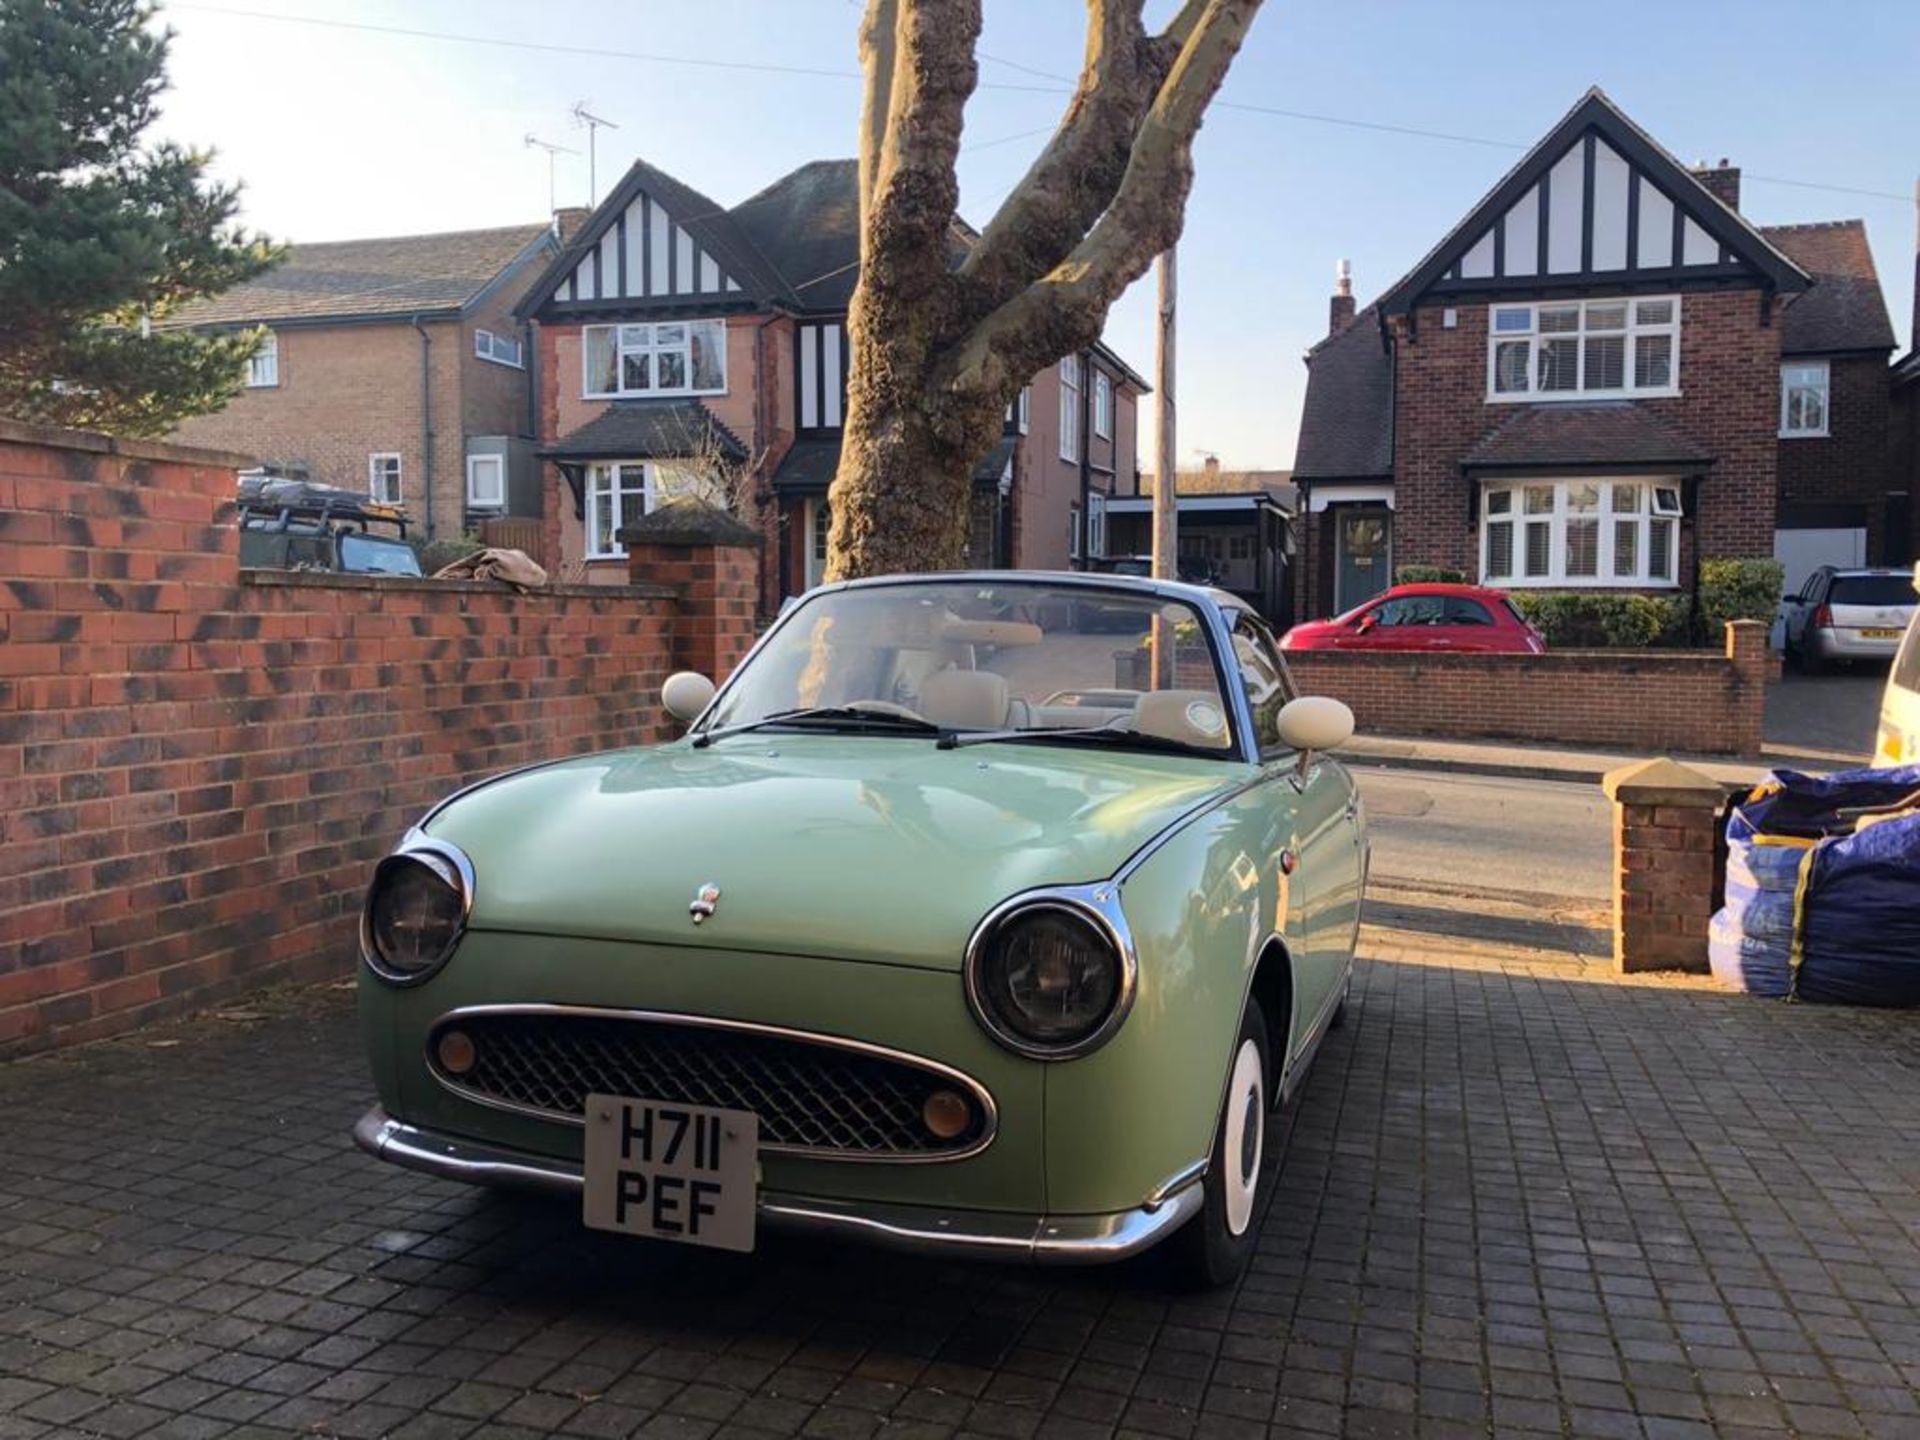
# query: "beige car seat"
[[1192, 717], [965, 699]]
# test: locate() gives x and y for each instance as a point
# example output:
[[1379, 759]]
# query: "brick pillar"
[[1664, 836], [713, 560], [1753, 666]]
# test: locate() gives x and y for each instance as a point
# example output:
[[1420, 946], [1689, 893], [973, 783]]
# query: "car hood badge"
[[705, 900]]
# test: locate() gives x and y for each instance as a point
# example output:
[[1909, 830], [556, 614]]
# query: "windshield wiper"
[[843, 714], [1132, 739]]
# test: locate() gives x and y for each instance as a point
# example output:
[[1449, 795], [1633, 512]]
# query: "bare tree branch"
[[878, 46], [1065, 308], [915, 192], [1074, 178]]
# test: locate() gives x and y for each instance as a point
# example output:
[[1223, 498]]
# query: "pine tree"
[[102, 238]]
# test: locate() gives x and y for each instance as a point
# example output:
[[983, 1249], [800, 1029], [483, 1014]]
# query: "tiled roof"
[[807, 224], [1610, 432], [1845, 309], [352, 279], [644, 430], [1346, 424]]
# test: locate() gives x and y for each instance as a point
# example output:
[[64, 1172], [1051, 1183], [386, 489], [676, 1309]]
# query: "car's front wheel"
[[1216, 1245]]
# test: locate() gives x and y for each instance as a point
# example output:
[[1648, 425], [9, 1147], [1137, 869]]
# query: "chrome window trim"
[[416, 842], [1098, 905], [990, 1112]]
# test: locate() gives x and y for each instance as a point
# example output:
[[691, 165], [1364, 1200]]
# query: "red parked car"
[[1424, 617]]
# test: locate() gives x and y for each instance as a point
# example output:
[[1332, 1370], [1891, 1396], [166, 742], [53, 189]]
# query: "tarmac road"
[[1544, 842]]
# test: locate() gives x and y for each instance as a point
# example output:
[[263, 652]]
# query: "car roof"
[[1440, 587]]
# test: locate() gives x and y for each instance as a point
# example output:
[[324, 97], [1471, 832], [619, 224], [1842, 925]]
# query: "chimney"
[[567, 221], [1211, 466], [1722, 179], [1340, 312]]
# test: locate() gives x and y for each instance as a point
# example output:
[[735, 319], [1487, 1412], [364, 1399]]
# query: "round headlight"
[[1047, 981], [415, 911]]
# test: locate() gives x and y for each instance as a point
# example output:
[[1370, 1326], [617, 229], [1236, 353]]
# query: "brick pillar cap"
[[689, 522], [1748, 625], [1661, 782]]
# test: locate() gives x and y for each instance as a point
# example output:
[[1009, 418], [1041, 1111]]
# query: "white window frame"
[[1070, 382], [1529, 333], [638, 338], [1660, 499], [1102, 405], [263, 366], [498, 349], [378, 470], [1024, 408], [474, 464], [1824, 385], [1096, 524], [1073, 532], [656, 483]]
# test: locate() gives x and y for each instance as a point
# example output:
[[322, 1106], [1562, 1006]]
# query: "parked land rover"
[[301, 525]]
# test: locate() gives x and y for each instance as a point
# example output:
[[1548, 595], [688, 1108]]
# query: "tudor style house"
[[688, 347], [1601, 376], [393, 367]]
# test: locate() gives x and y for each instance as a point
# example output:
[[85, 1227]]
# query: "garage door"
[[1804, 551]]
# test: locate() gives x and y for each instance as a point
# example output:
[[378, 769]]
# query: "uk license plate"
[[1880, 634], [685, 1173]]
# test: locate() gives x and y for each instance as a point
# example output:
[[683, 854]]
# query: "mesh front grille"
[[808, 1095]]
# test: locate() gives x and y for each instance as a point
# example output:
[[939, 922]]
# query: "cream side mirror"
[[688, 692], [1313, 723]]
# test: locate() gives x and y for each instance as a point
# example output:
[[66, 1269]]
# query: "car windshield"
[[1895, 589], [1032, 659], [370, 555]]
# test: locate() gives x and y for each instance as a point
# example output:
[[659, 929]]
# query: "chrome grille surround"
[[822, 1097]]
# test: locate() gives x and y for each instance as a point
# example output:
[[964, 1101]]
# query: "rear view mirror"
[[686, 694], [1313, 723]]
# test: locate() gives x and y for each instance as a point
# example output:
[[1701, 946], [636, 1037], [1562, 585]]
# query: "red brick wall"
[[198, 765], [1728, 403], [1689, 701], [1849, 464]]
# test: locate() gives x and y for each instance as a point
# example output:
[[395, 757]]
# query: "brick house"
[[394, 367], [1904, 422], [1602, 375], [677, 337]]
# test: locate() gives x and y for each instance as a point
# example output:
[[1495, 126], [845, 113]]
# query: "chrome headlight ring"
[[1097, 906], [412, 847]]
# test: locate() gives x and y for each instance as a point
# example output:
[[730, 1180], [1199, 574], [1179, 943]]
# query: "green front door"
[[1363, 556]]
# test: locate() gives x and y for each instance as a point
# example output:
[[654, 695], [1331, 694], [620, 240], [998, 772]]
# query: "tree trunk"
[[938, 350]]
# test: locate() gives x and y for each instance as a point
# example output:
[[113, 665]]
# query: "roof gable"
[[1597, 201], [657, 241]]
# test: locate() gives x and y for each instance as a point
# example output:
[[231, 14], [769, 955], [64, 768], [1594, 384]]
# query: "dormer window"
[[1583, 349]]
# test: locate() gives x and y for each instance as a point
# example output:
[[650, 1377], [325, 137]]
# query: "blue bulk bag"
[[1823, 888]]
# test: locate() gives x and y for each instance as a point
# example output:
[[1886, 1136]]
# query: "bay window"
[[679, 357], [1804, 391], [1580, 533], [621, 491], [1582, 349]]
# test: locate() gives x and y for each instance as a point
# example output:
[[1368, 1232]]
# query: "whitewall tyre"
[[1216, 1245]]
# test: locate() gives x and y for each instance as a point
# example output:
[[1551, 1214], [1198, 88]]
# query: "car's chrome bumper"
[[1048, 1239]]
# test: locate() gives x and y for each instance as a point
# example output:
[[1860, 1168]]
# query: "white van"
[[1899, 742]]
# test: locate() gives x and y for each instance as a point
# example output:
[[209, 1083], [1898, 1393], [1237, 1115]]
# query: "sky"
[[1397, 116]]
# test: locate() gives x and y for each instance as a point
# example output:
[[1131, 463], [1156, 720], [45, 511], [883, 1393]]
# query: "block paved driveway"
[[1514, 1202]]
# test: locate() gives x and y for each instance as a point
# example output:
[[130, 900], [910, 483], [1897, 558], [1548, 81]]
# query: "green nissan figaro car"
[[984, 913]]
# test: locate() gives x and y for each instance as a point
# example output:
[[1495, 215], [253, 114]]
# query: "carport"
[[1247, 538]]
